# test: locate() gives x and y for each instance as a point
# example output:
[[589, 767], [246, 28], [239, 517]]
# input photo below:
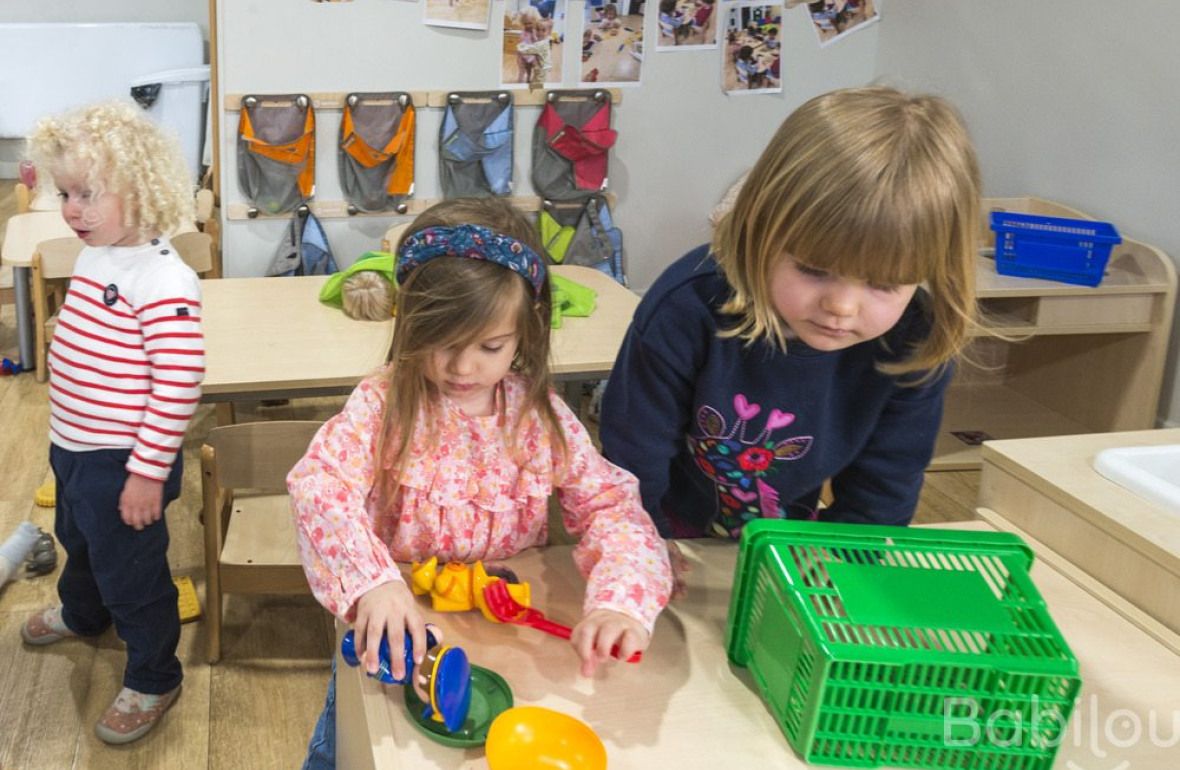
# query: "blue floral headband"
[[472, 242]]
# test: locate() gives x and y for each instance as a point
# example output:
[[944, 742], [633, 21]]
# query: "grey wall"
[[1071, 100], [681, 140]]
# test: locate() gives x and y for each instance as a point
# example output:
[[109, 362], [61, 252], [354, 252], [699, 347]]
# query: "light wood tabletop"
[[22, 233], [685, 706], [1048, 487], [273, 338]]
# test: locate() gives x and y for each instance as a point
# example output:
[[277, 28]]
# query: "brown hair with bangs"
[[867, 183], [449, 301]]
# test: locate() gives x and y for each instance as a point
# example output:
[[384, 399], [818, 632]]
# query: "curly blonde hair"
[[868, 183], [118, 149]]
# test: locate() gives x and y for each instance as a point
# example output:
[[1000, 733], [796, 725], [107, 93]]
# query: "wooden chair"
[[196, 249], [52, 266], [249, 532]]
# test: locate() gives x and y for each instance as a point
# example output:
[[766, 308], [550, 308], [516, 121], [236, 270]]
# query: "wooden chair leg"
[[213, 614]]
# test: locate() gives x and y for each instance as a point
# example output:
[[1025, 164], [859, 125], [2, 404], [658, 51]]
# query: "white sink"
[[1152, 472]]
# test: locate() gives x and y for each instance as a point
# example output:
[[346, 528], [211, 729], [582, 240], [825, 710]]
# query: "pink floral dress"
[[463, 498]]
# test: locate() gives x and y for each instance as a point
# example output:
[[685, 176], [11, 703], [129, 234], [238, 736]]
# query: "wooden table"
[[686, 707], [1048, 488], [21, 236], [273, 338]]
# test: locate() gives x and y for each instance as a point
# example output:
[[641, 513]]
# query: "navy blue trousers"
[[114, 573]]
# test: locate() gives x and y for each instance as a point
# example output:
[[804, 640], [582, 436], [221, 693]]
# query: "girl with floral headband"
[[453, 449]]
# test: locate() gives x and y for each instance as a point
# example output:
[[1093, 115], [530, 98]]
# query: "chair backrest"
[[24, 197], [196, 249], [392, 236], [56, 257], [258, 455]]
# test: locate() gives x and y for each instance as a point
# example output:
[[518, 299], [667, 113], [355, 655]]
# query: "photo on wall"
[[612, 42], [751, 60], [533, 43], [833, 19], [465, 14], [687, 24]]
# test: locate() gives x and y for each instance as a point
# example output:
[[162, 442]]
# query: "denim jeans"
[[321, 749]]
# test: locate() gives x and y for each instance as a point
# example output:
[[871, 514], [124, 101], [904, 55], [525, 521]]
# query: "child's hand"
[[141, 502], [390, 610], [600, 631]]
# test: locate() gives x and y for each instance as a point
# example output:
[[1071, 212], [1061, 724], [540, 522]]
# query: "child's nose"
[[841, 299], [460, 363]]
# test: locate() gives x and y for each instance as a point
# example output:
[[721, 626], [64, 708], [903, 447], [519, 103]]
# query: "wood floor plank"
[[274, 672]]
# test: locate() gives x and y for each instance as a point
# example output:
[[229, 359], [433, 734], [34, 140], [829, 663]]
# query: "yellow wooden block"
[[186, 602], [46, 494]]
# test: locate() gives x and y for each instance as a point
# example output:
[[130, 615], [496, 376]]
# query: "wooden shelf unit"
[[1077, 359]]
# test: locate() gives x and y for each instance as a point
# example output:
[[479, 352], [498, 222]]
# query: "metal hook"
[[252, 213], [352, 100], [401, 208], [551, 96], [301, 100], [403, 100], [600, 95], [303, 210], [454, 98], [250, 102], [352, 210], [503, 97]]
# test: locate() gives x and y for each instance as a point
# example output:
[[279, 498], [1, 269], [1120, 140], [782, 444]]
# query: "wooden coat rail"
[[334, 100], [414, 207]]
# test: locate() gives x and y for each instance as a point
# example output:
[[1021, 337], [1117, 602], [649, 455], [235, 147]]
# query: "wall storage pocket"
[[376, 151], [475, 144], [570, 144], [276, 152]]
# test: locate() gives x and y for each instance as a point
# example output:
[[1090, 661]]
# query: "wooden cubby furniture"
[[1077, 359]]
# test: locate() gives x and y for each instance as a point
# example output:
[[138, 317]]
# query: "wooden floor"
[[253, 710]]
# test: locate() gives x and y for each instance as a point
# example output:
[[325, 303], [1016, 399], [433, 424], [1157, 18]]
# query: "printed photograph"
[[465, 14], [612, 42], [687, 24], [534, 34], [833, 19], [751, 60]]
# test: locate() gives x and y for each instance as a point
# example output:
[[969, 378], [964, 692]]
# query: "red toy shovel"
[[508, 610]]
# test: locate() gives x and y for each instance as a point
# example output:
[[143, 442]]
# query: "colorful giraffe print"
[[739, 465]]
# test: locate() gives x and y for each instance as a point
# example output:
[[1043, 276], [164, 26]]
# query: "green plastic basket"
[[901, 647]]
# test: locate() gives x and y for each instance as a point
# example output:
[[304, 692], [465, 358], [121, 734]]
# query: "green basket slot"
[[906, 647]]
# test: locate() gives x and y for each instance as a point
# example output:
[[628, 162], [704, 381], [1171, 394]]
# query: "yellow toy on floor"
[[458, 587], [186, 599]]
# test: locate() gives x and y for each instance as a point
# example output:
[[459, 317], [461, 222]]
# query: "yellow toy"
[[458, 587]]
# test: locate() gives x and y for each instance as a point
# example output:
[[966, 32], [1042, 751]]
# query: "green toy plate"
[[490, 695]]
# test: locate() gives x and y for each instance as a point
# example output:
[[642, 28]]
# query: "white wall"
[[12, 150], [681, 140], [1071, 100], [108, 10]]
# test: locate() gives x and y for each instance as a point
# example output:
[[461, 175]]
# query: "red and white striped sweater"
[[127, 356]]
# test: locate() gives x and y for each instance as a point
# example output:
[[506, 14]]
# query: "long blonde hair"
[[868, 183], [450, 301], [121, 151]]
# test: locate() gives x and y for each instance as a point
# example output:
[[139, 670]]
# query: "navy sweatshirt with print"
[[719, 432]]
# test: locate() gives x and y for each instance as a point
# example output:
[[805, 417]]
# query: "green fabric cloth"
[[382, 262], [556, 236], [570, 299]]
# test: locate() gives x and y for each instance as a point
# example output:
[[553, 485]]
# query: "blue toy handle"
[[384, 659]]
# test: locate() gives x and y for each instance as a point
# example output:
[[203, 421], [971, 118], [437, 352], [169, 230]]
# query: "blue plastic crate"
[[1056, 248]]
